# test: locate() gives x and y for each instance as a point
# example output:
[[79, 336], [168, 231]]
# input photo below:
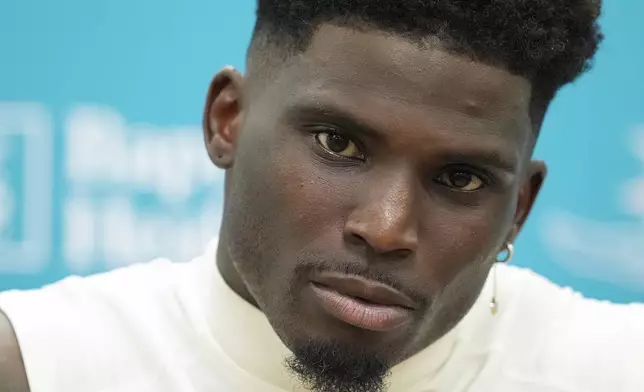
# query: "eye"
[[338, 144], [461, 180]]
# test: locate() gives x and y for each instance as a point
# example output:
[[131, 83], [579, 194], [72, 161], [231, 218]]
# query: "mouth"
[[362, 303]]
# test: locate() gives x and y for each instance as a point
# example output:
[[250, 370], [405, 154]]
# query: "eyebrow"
[[484, 158], [337, 116]]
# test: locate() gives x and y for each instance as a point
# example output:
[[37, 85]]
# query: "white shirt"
[[177, 327]]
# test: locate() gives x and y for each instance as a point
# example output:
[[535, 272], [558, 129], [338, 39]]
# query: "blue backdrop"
[[102, 164]]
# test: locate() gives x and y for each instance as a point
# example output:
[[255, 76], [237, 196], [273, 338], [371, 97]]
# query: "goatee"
[[328, 367]]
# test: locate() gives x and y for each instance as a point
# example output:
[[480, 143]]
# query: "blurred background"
[[102, 162]]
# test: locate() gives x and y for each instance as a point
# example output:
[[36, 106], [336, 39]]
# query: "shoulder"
[[12, 368], [126, 287], [91, 323], [555, 336]]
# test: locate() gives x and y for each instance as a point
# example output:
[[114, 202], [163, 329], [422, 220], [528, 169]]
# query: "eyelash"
[[486, 178], [316, 130]]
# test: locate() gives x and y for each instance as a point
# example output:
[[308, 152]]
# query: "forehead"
[[381, 78]]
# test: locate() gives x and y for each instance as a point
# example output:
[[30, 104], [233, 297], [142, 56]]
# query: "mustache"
[[307, 268]]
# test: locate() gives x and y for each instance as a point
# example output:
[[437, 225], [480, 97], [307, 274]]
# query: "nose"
[[386, 221]]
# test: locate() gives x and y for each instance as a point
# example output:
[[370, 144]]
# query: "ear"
[[532, 184], [222, 118]]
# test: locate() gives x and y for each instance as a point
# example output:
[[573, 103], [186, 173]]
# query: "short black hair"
[[549, 42]]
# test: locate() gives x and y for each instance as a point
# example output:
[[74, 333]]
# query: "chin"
[[332, 364], [303, 333]]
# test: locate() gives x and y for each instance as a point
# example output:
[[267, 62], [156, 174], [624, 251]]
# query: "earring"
[[502, 257]]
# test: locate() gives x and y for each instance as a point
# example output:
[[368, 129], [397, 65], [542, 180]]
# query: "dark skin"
[[370, 154], [12, 369]]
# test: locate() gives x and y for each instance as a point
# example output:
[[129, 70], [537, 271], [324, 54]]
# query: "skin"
[[13, 377], [430, 175], [434, 179]]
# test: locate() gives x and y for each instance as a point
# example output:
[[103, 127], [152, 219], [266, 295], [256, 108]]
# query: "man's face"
[[370, 184]]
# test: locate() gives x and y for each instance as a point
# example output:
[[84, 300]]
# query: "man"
[[378, 170]]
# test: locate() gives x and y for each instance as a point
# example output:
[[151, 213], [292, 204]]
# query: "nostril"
[[399, 254], [358, 239]]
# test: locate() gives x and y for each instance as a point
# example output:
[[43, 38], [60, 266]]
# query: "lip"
[[362, 303]]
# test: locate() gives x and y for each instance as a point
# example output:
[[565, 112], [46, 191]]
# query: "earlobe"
[[222, 117]]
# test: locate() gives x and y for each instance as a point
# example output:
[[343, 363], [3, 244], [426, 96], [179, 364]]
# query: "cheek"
[[460, 294], [313, 199], [289, 196], [462, 239]]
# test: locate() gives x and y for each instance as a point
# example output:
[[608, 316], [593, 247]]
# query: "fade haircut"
[[548, 42]]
